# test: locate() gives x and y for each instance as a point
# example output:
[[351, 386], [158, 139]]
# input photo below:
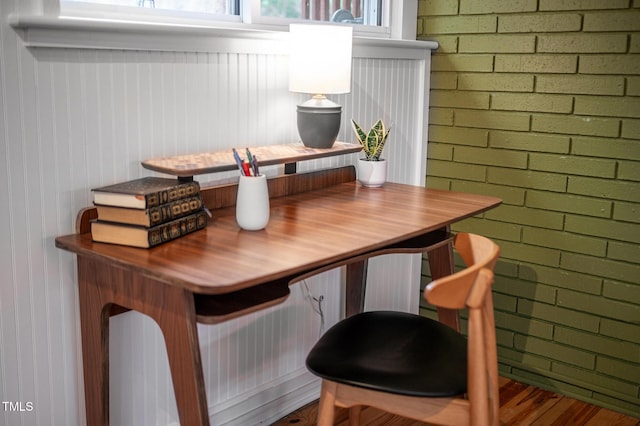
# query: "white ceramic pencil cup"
[[252, 203]]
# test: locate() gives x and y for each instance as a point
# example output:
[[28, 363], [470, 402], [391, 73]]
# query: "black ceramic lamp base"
[[319, 123]]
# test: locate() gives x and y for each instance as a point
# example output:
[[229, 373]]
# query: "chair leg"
[[354, 415], [326, 406]]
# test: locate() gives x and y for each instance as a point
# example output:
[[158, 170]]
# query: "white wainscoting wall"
[[74, 117]]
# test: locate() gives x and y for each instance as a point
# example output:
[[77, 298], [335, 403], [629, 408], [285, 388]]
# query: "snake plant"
[[372, 142]]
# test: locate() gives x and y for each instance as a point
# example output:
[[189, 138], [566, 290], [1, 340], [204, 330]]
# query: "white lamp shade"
[[320, 58]]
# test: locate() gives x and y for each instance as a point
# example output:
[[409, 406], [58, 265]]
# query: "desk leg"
[[173, 309], [178, 324], [356, 287], [94, 326], [441, 265]]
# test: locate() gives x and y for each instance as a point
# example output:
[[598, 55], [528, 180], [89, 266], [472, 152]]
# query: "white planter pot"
[[372, 173]]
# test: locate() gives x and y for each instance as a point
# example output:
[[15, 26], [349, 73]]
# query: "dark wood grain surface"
[[306, 231]]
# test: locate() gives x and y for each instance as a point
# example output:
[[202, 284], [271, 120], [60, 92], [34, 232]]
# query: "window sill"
[[50, 32]]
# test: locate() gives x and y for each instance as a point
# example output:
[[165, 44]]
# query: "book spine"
[[177, 228], [174, 210], [178, 192]]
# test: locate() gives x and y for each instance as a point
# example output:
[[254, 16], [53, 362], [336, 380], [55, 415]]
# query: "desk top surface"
[[305, 231]]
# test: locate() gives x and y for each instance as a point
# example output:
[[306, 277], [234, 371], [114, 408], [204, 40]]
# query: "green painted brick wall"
[[538, 102]]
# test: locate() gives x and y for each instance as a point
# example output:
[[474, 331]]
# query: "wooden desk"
[[319, 221]]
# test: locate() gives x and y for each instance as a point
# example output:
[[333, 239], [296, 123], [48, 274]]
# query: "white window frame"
[[394, 13], [250, 10], [39, 24]]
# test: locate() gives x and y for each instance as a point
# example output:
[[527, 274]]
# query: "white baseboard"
[[269, 403], [266, 404]]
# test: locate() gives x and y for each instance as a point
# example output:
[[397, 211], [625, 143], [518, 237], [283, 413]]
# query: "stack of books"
[[148, 211]]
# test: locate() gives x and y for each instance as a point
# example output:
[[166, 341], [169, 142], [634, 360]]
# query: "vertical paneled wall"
[[73, 119]]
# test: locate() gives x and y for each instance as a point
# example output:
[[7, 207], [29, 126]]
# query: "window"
[[224, 7], [158, 11], [265, 12], [365, 12]]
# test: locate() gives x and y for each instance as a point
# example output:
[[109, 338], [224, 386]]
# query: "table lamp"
[[319, 64]]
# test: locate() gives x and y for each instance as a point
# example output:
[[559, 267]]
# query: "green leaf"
[[361, 135], [372, 142], [381, 143]]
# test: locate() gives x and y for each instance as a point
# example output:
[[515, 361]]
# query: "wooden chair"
[[413, 366]]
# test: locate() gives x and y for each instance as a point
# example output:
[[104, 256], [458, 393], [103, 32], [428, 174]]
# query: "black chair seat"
[[388, 351]]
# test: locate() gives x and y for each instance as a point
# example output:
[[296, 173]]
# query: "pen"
[[249, 156], [238, 160], [254, 162], [245, 168]]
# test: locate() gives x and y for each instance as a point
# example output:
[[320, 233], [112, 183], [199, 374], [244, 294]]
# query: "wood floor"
[[520, 404]]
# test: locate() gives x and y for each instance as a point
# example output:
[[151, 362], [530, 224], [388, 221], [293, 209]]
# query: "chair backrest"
[[471, 288], [478, 253]]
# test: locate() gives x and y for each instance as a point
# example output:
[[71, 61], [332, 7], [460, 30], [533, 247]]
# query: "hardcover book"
[[145, 192], [151, 216], [140, 236]]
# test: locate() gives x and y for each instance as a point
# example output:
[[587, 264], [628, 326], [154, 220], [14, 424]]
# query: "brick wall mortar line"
[[573, 75]]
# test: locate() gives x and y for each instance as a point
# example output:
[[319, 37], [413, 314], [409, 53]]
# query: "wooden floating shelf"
[[189, 165]]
